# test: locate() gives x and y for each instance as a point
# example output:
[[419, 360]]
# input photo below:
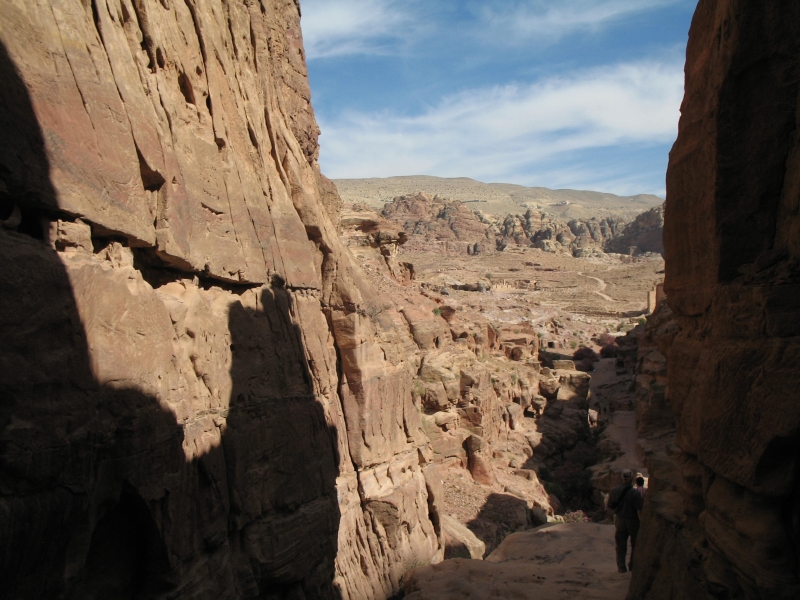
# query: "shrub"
[[608, 351], [642, 321], [573, 344], [606, 339], [577, 516], [584, 365], [585, 354], [437, 312]]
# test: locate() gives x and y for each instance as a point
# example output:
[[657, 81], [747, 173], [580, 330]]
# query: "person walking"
[[626, 502], [640, 486]]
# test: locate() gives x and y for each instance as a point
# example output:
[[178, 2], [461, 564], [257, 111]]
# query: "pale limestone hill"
[[497, 198]]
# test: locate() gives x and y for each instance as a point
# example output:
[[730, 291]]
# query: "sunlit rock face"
[[201, 397], [722, 520]]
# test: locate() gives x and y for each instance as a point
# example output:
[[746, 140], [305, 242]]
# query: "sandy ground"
[[612, 398], [601, 291], [571, 560]]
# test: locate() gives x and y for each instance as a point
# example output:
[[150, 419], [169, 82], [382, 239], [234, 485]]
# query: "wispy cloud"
[[516, 132], [530, 21], [341, 27], [348, 27]]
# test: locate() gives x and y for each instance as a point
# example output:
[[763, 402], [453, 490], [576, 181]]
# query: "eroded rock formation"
[[724, 500], [644, 234], [201, 396], [450, 225]]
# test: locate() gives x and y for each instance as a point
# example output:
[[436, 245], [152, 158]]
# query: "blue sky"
[[580, 94]]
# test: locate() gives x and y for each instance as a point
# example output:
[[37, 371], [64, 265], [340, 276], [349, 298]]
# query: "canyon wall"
[[201, 395], [723, 438]]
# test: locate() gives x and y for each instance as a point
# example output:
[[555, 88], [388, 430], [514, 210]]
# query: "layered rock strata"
[[202, 396], [724, 501]]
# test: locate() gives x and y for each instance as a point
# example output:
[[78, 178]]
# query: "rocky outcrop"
[[721, 519], [436, 222], [460, 541], [642, 235], [202, 395]]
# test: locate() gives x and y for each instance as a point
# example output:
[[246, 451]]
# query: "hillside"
[[497, 198]]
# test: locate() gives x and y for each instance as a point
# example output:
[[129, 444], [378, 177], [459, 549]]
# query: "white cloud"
[[534, 21], [340, 27], [513, 133], [348, 27]]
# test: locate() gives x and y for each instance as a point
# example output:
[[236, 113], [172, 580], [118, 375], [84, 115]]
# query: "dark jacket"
[[625, 501]]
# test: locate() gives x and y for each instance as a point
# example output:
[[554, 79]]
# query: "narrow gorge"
[[219, 382]]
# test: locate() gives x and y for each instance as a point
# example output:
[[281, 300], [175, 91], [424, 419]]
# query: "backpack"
[[615, 507]]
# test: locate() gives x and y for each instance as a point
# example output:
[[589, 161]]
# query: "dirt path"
[[602, 287], [567, 560], [612, 398]]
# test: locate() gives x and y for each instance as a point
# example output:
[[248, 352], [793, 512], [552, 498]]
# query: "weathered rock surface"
[[723, 508], [644, 234], [450, 226], [553, 561], [202, 395], [477, 390], [460, 542]]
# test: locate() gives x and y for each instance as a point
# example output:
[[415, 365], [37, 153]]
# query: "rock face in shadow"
[[724, 502], [644, 234], [201, 396]]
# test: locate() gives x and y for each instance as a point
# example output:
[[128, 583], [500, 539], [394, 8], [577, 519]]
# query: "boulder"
[[480, 465], [514, 416], [460, 542], [446, 420], [574, 386]]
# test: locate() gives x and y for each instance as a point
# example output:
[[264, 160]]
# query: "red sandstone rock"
[[724, 498], [236, 440]]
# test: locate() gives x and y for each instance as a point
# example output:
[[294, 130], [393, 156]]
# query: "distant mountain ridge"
[[498, 199]]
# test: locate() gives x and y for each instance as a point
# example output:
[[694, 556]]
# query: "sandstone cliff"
[[723, 437], [201, 395]]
